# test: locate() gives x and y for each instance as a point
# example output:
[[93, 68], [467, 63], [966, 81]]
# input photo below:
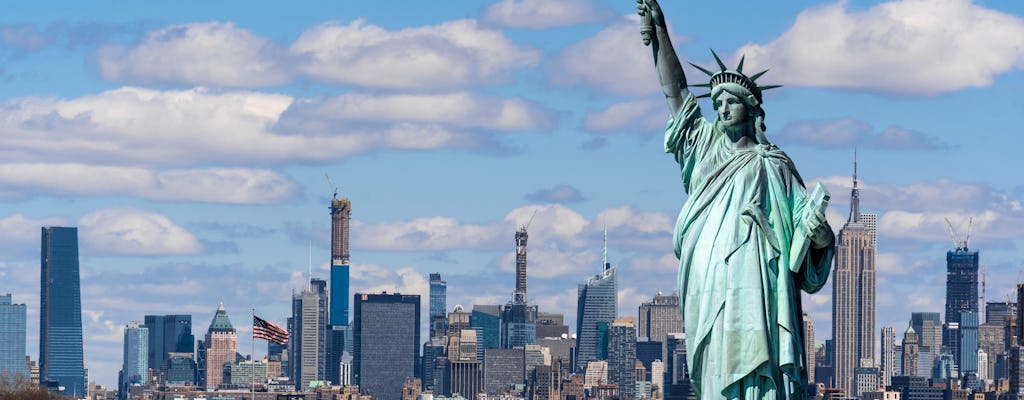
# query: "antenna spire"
[[309, 281], [855, 192], [604, 264]]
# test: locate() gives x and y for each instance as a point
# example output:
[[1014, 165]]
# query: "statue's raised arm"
[[670, 71]]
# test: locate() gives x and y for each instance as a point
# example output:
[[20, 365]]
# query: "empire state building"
[[853, 293]]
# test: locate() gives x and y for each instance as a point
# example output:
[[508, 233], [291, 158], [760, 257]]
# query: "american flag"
[[261, 329]]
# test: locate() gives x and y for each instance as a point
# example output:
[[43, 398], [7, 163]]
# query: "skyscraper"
[[12, 336], [438, 306], [961, 294], [910, 355], [809, 347], [135, 368], [659, 317], [622, 356], [307, 347], [887, 362], [928, 327], [168, 334], [387, 339], [61, 359], [596, 303], [853, 292], [341, 211], [520, 293], [221, 345]]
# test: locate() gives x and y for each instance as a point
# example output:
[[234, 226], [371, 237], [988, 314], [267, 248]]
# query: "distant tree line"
[[15, 386]]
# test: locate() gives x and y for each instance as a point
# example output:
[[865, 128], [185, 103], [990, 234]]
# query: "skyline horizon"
[[189, 145]]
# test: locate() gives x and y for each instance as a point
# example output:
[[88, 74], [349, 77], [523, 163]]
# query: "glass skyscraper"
[[12, 336], [438, 306], [596, 303], [387, 342], [135, 369], [61, 361]]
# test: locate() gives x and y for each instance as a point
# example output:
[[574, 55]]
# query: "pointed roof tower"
[[221, 322], [855, 193]]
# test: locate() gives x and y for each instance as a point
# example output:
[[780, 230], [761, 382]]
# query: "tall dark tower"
[[520, 294], [61, 359]]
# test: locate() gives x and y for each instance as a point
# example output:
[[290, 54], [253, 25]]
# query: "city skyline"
[[198, 178]]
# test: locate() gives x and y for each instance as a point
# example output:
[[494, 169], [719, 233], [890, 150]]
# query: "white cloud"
[[910, 46], [642, 117], [20, 235], [210, 53], [847, 132], [434, 233], [452, 54], [216, 185], [461, 110], [137, 126], [614, 59], [134, 232], [542, 14], [549, 261]]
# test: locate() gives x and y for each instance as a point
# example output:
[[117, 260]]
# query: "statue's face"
[[732, 111]]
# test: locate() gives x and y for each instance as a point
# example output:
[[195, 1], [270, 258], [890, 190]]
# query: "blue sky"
[[188, 141]]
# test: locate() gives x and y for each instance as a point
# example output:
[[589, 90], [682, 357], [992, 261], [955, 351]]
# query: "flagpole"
[[252, 356]]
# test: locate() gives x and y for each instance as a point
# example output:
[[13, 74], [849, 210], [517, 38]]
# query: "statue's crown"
[[726, 75]]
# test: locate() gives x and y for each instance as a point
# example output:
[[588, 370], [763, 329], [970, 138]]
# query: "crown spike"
[[753, 78], [702, 69], [739, 68], [719, 61]]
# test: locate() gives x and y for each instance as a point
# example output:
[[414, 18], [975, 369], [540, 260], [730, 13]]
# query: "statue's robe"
[[744, 252]]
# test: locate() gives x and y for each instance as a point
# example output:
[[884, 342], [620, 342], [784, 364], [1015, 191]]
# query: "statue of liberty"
[[749, 236]]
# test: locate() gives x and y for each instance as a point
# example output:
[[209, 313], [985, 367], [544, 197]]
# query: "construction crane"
[[957, 244], [334, 189]]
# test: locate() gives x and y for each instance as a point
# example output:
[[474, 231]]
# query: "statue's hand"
[[818, 229], [643, 7]]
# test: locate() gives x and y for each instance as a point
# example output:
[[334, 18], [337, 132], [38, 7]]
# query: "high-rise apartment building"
[[853, 292], [341, 211], [168, 334], [387, 340], [809, 348], [596, 303], [659, 317], [61, 359], [622, 356], [519, 296], [887, 361], [135, 367], [221, 344], [12, 336], [438, 306], [307, 346]]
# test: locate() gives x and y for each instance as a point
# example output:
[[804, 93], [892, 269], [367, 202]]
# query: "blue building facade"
[[12, 336], [135, 368], [61, 360]]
